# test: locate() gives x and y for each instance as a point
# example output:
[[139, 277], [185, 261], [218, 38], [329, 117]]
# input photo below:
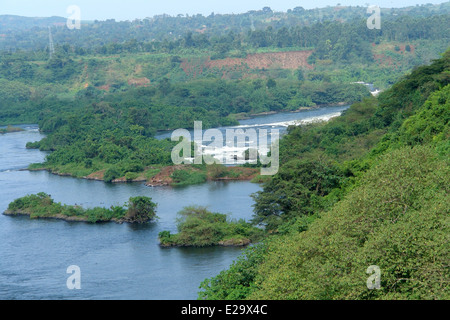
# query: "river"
[[117, 261]]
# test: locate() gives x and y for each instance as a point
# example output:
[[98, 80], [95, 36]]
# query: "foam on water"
[[229, 154]]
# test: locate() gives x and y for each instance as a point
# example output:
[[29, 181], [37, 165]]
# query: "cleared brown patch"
[[380, 51], [290, 60], [96, 175], [282, 60], [163, 178]]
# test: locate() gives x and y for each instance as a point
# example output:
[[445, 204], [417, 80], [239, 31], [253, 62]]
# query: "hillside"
[[385, 205], [251, 64], [109, 57]]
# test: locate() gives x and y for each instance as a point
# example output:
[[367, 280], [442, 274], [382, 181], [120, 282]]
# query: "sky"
[[139, 9]]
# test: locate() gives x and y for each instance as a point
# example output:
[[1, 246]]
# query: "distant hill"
[[12, 22], [18, 32]]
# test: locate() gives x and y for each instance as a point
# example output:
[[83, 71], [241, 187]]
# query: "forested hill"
[[109, 58], [13, 23], [32, 33], [370, 188]]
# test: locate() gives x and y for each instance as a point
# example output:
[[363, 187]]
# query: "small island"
[[42, 206], [199, 227], [10, 129]]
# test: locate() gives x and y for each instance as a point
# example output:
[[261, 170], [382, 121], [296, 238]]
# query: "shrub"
[[112, 174], [188, 177], [130, 176]]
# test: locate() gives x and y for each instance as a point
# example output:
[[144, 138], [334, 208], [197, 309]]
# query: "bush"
[[397, 219], [217, 171], [236, 283], [165, 237], [130, 176], [112, 174], [188, 177]]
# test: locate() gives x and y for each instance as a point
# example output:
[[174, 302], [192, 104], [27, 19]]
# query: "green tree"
[[271, 83], [296, 190], [140, 210]]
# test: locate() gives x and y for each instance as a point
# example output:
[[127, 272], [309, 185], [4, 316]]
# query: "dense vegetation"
[[322, 162], [199, 227], [397, 219], [164, 32], [368, 188], [101, 102], [114, 132], [89, 145], [176, 80], [41, 205]]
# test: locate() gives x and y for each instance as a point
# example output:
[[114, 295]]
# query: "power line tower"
[[51, 47]]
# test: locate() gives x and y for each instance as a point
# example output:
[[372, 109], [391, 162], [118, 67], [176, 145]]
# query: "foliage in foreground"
[[237, 282], [397, 218], [390, 208]]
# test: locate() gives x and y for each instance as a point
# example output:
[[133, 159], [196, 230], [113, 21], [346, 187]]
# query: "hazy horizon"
[[140, 9]]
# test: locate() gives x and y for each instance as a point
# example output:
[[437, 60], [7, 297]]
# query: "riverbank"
[[223, 243], [247, 116], [170, 175], [174, 175], [188, 174]]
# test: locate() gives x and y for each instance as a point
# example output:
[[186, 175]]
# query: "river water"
[[116, 261]]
